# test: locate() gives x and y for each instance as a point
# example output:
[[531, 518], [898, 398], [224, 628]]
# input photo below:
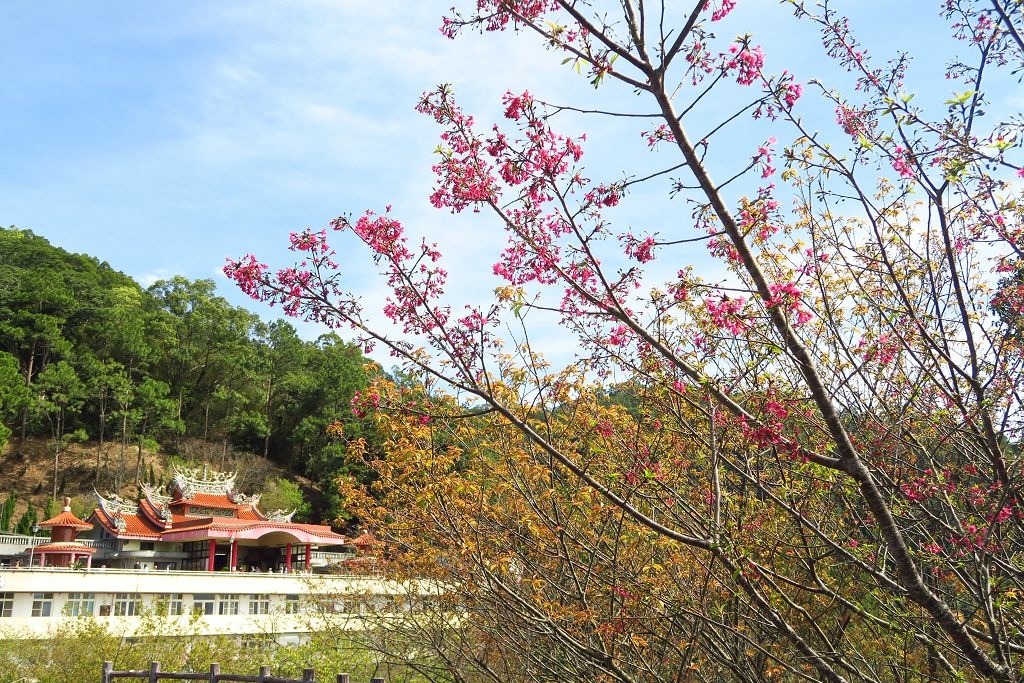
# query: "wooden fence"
[[154, 674]]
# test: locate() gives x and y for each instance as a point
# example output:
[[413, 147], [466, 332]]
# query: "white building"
[[35, 601]]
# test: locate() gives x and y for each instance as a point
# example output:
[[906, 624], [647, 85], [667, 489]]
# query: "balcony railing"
[[22, 541]]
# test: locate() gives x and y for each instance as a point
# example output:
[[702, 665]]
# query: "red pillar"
[[234, 554], [42, 558], [213, 553], [308, 555], [288, 557]]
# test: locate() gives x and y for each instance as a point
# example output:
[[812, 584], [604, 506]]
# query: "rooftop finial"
[[67, 504]]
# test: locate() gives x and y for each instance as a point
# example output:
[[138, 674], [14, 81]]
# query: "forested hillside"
[[91, 358]]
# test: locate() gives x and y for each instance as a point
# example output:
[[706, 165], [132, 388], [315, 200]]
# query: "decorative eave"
[[114, 504], [157, 516], [64, 547], [156, 494], [158, 504]]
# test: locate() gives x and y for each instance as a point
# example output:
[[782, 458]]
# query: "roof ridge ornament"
[[281, 516], [193, 480]]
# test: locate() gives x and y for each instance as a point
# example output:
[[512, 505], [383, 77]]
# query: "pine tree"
[[27, 520], [7, 512]]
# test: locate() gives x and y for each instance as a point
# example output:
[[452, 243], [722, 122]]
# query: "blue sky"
[[164, 136]]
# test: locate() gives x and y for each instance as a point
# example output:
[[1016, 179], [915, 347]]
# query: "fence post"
[[214, 673], [154, 672], [107, 668], [307, 674], [342, 678], [264, 673]]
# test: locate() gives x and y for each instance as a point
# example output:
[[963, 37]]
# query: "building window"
[[6, 604], [170, 604], [259, 604], [80, 604], [204, 603], [291, 604], [228, 604], [197, 555], [42, 604], [126, 604], [146, 545]]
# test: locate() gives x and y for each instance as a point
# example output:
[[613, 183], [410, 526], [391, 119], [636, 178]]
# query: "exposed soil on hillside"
[[29, 471]]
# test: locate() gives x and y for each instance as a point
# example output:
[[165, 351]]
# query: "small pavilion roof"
[[66, 519], [367, 540]]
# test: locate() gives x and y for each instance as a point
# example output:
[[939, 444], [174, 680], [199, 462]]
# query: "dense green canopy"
[[86, 353]]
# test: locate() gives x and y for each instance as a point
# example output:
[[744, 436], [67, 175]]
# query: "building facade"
[[35, 602], [200, 523]]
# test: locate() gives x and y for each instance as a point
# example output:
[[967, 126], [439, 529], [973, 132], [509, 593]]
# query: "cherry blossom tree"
[[794, 455]]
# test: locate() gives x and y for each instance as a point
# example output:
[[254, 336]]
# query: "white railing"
[[196, 572], [330, 557], [23, 541]]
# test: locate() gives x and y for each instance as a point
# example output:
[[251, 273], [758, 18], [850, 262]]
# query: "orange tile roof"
[[134, 525], [367, 540], [66, 519], [209, 500]]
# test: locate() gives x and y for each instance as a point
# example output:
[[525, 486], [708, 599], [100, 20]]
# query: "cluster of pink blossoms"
[[903, 162], [855, 121], [748, 63], [248, 273], [363, 403], [884, 350], [764, 157], [641, 250], [793, 93], [495, 15], [659, 134], [723, 10], [725, 314], [786, 295]]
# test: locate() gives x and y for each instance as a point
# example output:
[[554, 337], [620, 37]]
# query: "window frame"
[[259, 603], [80, 605], [227, 604], [42, 605], [126, 605], [170, 604], [204, 603]]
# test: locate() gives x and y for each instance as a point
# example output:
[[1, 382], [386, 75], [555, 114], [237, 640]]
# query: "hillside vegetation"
[[102, 380]]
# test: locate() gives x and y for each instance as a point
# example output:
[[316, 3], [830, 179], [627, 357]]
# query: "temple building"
[[199, 522]]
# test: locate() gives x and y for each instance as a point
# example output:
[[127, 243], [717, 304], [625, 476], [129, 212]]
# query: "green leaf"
[[962, 98]]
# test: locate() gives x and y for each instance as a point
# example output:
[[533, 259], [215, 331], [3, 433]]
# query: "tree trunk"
[[24, 410], [99, 447], [56, 450], [124, 447]]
